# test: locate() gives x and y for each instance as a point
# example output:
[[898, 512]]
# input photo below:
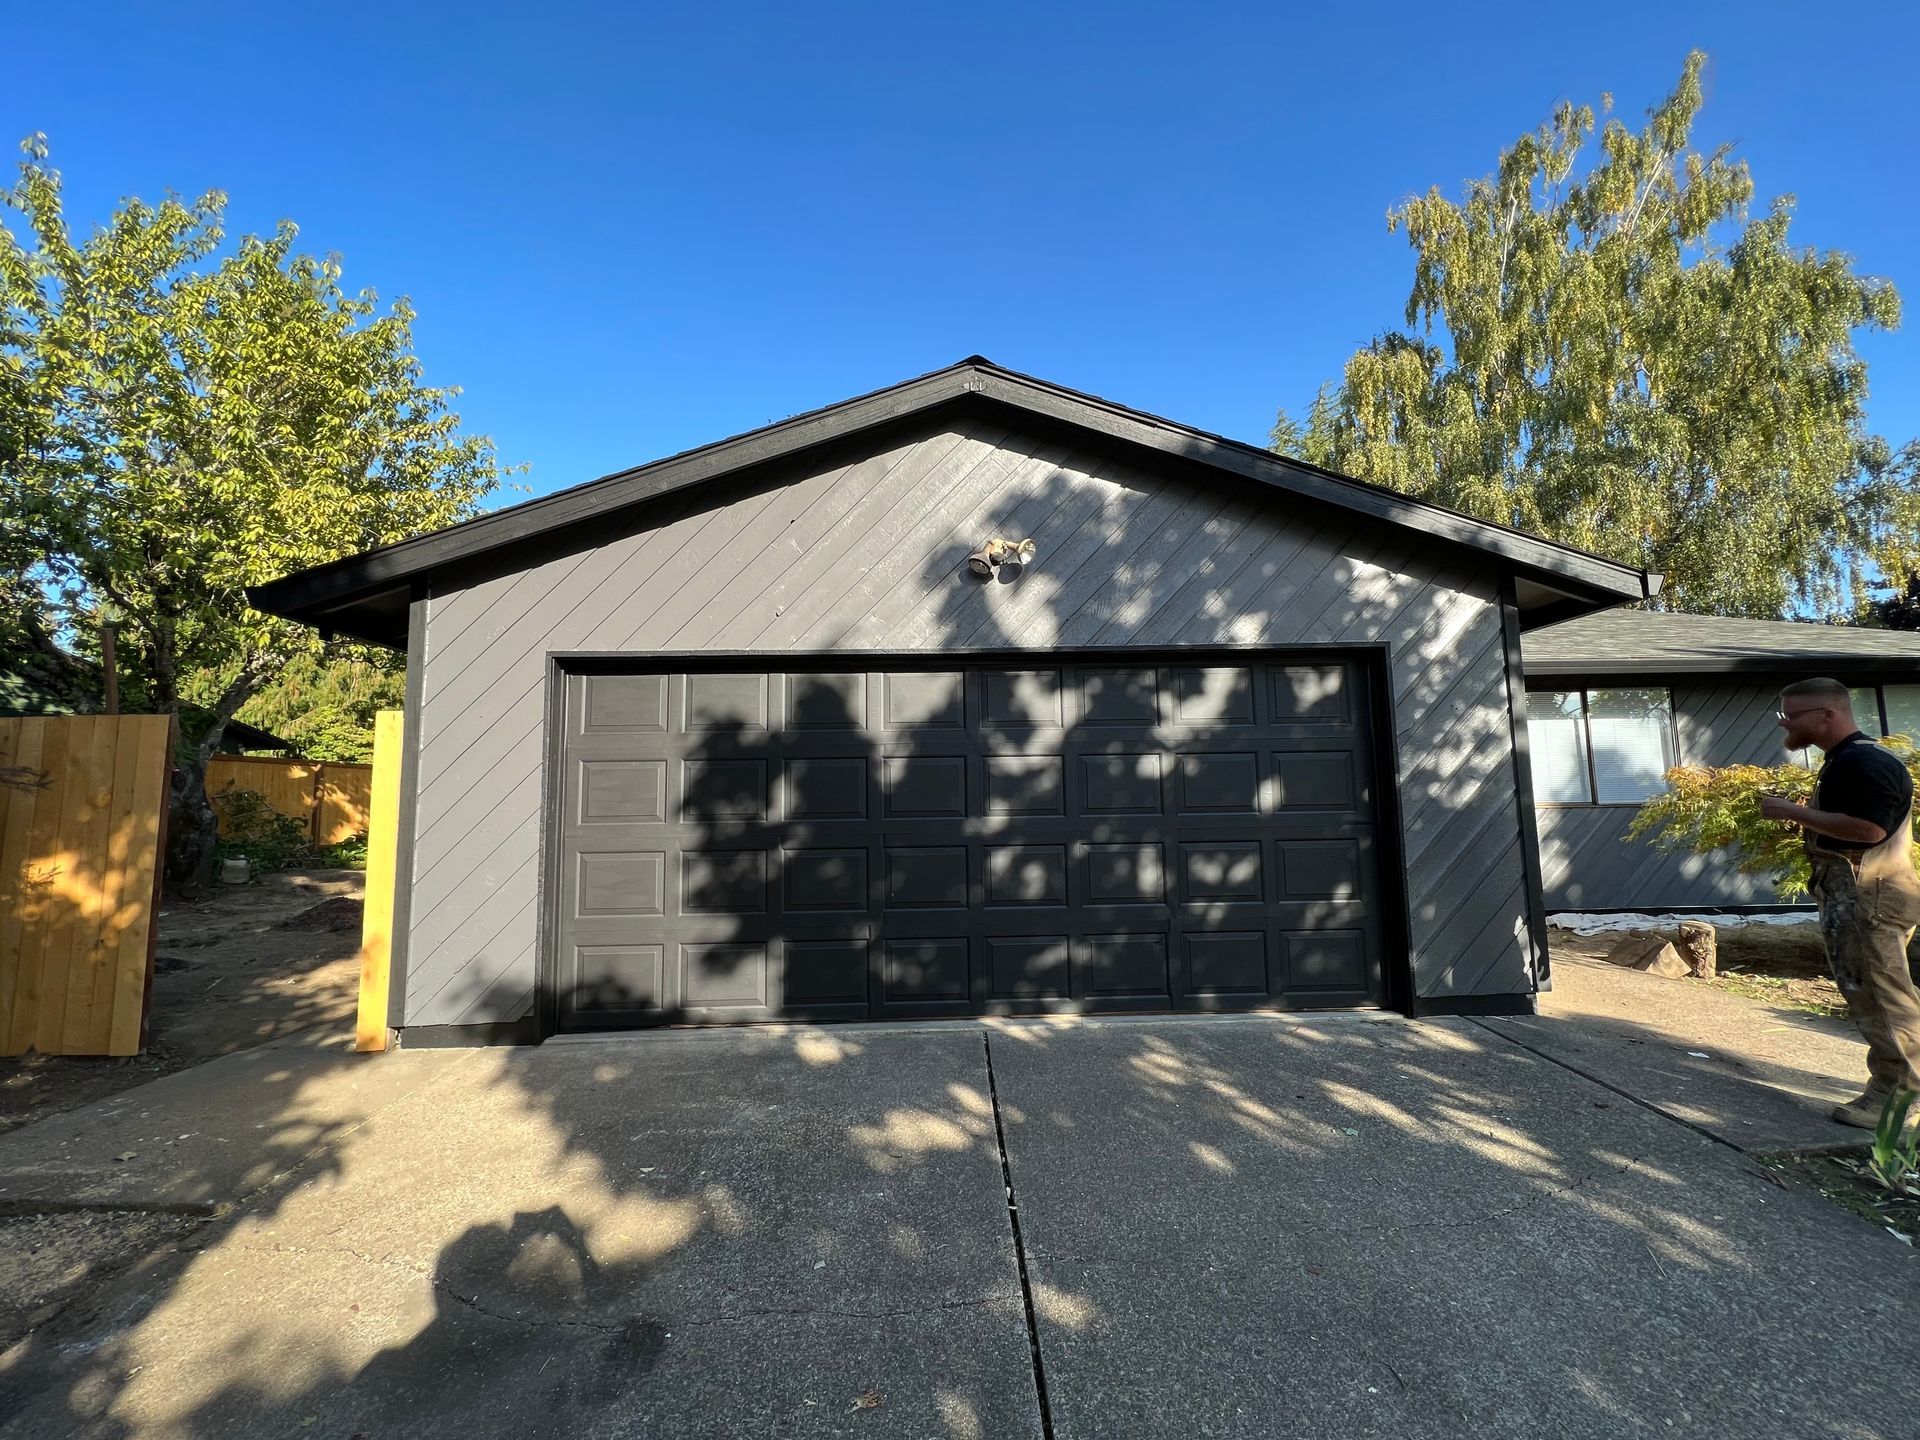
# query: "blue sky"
[[633, 229]]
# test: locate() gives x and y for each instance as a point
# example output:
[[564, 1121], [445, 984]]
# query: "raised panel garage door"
[[839, 843]]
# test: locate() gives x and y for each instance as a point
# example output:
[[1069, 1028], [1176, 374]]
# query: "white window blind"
[[1866, 709], [1557, 747], [1903, 710], [1631, 732]]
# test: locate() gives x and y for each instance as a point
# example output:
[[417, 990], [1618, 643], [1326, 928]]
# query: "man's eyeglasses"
[[1781, 714]]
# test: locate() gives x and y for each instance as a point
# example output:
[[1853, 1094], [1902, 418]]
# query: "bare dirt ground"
[[240, 967], [1781, 964]]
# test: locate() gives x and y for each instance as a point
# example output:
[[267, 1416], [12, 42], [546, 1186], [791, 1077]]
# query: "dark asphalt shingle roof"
[[1656, 642]]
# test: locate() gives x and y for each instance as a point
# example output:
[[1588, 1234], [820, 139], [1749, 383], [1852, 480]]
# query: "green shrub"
[[1895, 1154], [348, 854], [1708, 809], [253, 828]]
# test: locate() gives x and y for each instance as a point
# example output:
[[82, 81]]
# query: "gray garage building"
[[740, 736]]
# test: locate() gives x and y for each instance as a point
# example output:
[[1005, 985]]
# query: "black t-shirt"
[[1866, 781]]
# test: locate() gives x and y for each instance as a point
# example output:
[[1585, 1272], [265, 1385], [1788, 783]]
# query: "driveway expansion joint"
[[1624, 1094], [1019, 1248]]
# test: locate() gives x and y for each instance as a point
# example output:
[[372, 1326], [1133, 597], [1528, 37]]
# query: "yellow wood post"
[[383, 868]]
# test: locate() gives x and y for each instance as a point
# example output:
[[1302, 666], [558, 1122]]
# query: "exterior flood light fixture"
[[987, 560]]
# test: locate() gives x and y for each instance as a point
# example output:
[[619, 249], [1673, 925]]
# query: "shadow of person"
[[514, 1304]]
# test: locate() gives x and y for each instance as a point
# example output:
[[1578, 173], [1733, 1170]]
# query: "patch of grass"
[[349, 854], [1844, 1178], [1812, 997]]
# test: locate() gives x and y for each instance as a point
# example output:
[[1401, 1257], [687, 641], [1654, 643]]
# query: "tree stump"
[[1700, 948]]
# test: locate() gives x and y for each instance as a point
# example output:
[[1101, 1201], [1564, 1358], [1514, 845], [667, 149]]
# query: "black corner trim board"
[[1433, 1006]]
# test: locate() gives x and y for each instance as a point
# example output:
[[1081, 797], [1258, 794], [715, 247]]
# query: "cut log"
[[1700, 947], [1650, 954]]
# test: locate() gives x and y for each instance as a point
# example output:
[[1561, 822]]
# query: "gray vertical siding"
[[865, 555], [1587, 862]]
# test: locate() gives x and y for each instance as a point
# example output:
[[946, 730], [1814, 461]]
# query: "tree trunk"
[[1700, 946], [192, 828]]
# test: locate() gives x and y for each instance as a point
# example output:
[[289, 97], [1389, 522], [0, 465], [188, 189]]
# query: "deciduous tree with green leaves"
[[1611, 352], [325, 704], [184, 416]]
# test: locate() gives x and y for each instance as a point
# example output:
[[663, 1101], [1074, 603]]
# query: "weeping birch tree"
[[1606, 345]]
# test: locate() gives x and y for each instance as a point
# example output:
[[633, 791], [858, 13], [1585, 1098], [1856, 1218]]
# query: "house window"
[[1557, 747], [1866, 709], [1902, 710], [1600, 747]]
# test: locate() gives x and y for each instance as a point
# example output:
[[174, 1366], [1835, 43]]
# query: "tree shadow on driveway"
[[1238, 1226]]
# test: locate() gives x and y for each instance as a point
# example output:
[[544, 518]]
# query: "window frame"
[[1586, 732]]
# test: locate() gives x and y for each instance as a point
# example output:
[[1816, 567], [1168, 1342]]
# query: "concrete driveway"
[[1218, 1227]]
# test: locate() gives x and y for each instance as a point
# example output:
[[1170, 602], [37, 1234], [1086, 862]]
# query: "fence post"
[[383, 865]]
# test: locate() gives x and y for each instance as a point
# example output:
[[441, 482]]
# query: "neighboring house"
[[1614, 700], [21, 696], [737, 735]]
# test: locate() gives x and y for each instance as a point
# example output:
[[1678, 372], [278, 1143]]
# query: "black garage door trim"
[[972, 929]]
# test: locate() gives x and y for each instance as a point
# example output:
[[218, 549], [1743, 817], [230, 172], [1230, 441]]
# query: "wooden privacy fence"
[[82, 821], [331, 799]]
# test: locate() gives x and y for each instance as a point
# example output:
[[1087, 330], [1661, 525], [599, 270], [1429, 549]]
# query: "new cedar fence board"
[[82, 823], [330, 798]]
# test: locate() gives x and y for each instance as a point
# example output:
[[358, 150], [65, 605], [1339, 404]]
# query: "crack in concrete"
[[668, 1326], [809, 1313], [479, 1306]]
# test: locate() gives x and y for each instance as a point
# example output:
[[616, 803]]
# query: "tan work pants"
[[1868, 909]]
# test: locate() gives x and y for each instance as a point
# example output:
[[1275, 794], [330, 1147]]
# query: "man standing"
[[1859, 842]]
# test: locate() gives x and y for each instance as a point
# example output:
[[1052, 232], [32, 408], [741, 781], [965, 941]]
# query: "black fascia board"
[[1623, 671]]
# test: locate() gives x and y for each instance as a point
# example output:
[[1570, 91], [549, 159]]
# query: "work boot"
[[1863, 1113]]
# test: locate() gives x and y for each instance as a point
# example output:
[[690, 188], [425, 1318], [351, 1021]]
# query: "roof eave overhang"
[[1598, 669]]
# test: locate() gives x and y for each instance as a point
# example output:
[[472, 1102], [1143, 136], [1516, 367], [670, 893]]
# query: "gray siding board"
[[1588, 863], [820, 532], [1123, 620], [1027, 613], [1476, 780], [1367, 595], [470, 812], [742, 569], [1437, 877], [1127, 558], [1502, 930], [1450, 780], [1011, 491], [1144, 559], [1205, 524], [1219, 597], [1112, 537], [865, 531], [512, 623], [955, 603]]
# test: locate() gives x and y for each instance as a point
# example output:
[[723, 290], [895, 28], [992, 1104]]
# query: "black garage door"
[[839, 843]]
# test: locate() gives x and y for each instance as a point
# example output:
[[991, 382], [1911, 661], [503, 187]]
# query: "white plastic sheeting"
[[1601, 924]]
